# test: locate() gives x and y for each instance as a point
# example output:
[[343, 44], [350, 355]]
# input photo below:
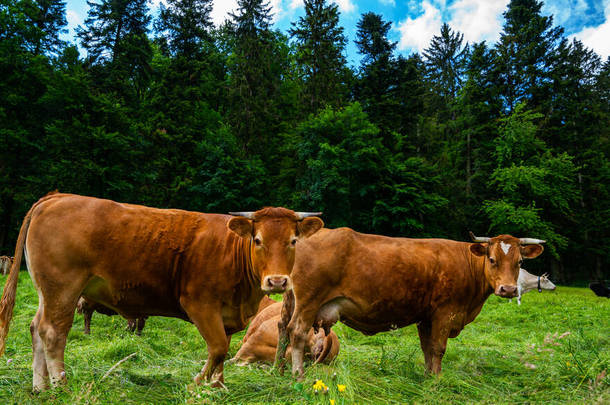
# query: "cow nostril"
[[284, 282], [502, 288]]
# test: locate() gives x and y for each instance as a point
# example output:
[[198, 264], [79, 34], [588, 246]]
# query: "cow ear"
[[309, 226], [478, 249], [241, 226], [531, 251]]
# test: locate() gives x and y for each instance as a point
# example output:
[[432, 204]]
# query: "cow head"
[[546, 283], [274, 234], [503, 256]]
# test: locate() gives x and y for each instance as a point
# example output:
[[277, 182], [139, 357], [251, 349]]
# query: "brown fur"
[[260, 342], [141, 261], [376, 283]]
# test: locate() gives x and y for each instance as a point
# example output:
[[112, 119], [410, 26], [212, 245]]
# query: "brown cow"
[[5, 264], [375, 283], [260, 341], [87, 308], [209, 269]]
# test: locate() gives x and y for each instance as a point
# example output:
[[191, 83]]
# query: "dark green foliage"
[[320, 46], [512, 137], [187, 23], [525, 54]]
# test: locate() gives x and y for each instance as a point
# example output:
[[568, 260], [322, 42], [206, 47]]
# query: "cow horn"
[[481, 239], [530, 241], [245, 214], [303, 215]]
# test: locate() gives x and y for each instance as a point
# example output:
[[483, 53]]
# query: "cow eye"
[[257, 241], [492, 260], [293, 242]]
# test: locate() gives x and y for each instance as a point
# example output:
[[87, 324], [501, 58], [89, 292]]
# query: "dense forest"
[[168, 110]]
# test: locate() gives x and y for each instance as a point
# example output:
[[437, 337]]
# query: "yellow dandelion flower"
[[319, 385], [341, 387], [332, 401]]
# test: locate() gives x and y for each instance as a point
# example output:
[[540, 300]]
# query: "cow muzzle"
[[276, 284], [506, 291]]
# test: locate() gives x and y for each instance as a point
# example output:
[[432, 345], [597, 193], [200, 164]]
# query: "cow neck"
[[244, 258], [477, 269]]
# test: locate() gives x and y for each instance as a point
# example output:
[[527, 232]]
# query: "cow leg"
[[208, 320], [140, 322], [87, 315], [39, 363], [433, 340], [53, 331], [298, 329], [283, 338], [55, 323], [218, 375], [131, 325]]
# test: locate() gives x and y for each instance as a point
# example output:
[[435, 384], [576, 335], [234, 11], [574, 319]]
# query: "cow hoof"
[[37, 389], [198, 379], [219, 384]]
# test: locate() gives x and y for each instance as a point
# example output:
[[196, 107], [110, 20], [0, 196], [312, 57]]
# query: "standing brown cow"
[[375, 283], [209, 269]]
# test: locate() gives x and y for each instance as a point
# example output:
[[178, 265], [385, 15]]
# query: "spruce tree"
[[378, 74], [525, 54], [320, 46], [187, 25], [445, 61]]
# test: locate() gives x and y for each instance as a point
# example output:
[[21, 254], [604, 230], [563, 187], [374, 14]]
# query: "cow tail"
[[10, 287]]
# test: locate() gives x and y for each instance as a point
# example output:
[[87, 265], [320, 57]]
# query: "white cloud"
[[345, 6], [294, 4], [417, 33], [74, 19], [221, 9], [597, 38], [478, 20]]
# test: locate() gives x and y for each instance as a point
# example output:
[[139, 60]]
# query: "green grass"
[[509, 354]]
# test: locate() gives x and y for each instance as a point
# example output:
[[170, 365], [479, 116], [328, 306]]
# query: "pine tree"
[[187, 25], [525, 54], [115, 37], [378, 74], [445, 61], [320, 46]]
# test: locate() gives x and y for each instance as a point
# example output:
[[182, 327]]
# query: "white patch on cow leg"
[[505, 247], [39, 363]]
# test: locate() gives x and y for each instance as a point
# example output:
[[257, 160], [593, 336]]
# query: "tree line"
[[171, 111]]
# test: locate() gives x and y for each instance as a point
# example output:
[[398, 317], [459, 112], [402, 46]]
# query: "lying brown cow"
[[87, 308], [209, 269], [260, 341], [5, 264], [375, 283]]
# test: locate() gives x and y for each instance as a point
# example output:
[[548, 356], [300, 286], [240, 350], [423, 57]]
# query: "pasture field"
[[554, 348]]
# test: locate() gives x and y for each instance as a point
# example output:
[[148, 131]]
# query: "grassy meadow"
[[554, 348]]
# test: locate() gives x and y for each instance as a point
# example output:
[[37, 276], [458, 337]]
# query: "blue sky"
[[414, 22]]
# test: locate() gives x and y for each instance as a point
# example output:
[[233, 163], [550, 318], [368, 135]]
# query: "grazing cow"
[[600, 289], [375, 283], [260, 341], [528, 282], [87, 308], [208, 269], [5, 264]]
